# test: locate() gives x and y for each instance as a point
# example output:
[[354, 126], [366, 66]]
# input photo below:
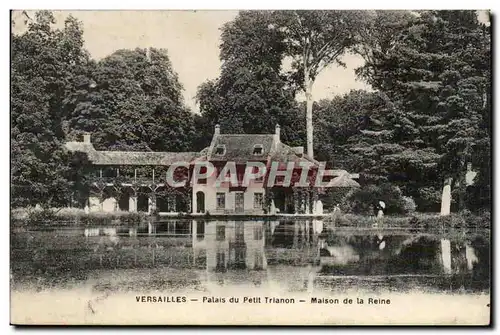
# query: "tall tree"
[[377, 37], [44, 62], [134, 102], [437, 73], [314, 40], [252, 94]]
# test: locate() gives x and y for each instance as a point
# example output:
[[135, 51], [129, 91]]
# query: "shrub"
[[41, 215], [483, 220], [409, 205], [363, 200], [454, 220], [428, 199]]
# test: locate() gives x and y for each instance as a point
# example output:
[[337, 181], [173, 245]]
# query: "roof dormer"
[[220, 150], [258, 150]]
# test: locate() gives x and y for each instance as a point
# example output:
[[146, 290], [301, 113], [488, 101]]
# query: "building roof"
[[142, 158], [79, 146], [237, 148], [284, 153], [344, 179], [85, 147], [240, 148], [131, 157]]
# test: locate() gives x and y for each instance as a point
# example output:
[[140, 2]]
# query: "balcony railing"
[[129, 180], [113, 175]]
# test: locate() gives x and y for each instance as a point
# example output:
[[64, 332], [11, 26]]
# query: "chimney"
[[86, 138], [217, 130], [277, 133]]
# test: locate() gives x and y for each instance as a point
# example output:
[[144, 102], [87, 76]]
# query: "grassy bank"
[[417, 221], [425, 221], [73, 216]]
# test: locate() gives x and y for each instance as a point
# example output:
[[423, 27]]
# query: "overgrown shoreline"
[[78, 217], [414, 220]]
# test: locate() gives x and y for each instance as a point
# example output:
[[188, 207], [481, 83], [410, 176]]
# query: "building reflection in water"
[[280, 255], [230, 245], [360, 254], [246, 248], [287, 253], [242, 251]]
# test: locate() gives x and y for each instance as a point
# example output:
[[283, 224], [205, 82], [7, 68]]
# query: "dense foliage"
[[134, 102], [426, 120], [437, 75], [252, 94], [43, 64]]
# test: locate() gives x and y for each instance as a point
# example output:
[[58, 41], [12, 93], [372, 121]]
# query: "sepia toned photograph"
[[250, 167]]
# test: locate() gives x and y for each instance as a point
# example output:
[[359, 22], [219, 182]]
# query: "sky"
[[192, 39]]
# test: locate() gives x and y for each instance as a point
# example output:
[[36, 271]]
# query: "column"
[[314, 209], [308, 227], [194, 231], [188, 203], [194, 201], [132, 203], [295, 234], [308, 202], [295, 201], [152, 203], [172, 203]]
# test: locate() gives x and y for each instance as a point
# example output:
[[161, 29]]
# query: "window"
[[240, 258], [221, 200], [257, 233], [258, 200], [220, 232], [202, 181], [220, 150], [258, 150], [258, 179], [221, 260], [239, 232]]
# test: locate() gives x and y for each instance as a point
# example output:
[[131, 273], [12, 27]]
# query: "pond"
[[206, 255]]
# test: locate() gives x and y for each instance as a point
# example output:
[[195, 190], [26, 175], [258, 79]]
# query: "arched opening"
[[143, 195], [162, 202], [142, 202], [181, 203], [200, 202], [123, 201]]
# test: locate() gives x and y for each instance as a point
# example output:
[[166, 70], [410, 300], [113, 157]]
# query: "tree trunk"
[[462, 183], [309, 106]]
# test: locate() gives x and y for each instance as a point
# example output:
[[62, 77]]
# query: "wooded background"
[[427, 117]]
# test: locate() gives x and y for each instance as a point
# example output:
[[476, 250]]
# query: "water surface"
[[289, 256]]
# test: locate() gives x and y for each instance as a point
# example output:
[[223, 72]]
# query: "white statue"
[[446, 198]]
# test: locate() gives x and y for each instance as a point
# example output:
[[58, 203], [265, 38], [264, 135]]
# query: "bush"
[[40, 215], [417, 221], [409, 205], [363, 200], [428, 199], [464, 219], [70, 216]]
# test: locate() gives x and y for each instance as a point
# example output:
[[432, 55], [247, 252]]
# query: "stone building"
[[137, 181]]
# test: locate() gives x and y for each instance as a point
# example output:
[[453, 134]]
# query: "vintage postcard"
[[257, 167]]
